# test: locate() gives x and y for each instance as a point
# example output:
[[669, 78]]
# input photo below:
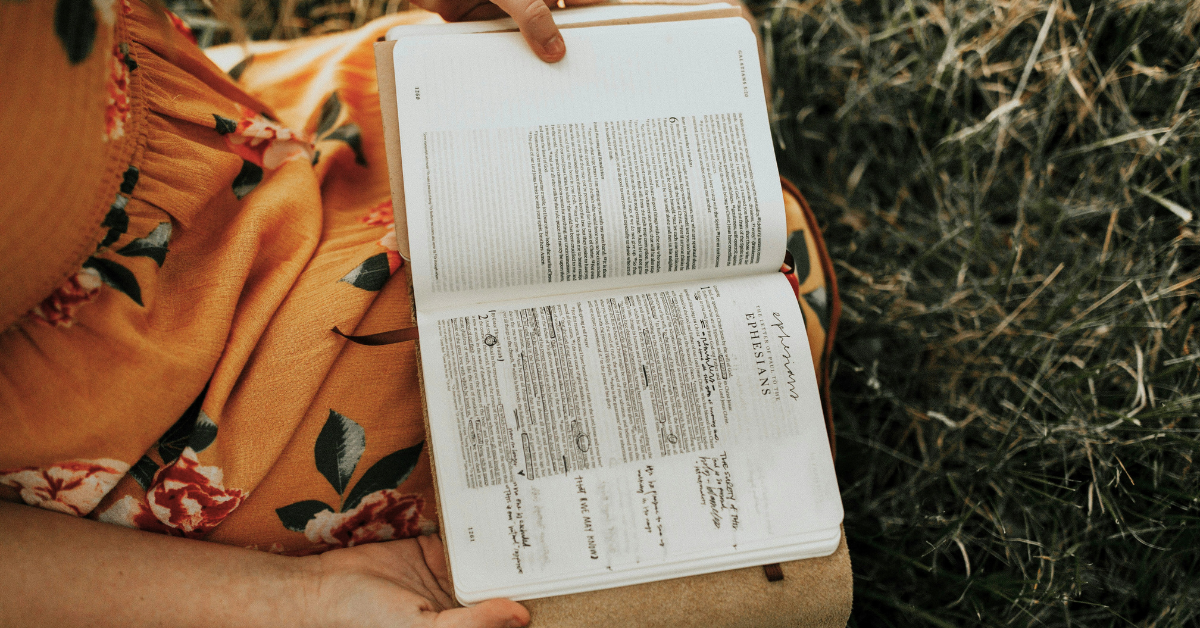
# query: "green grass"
[[1006, 189]]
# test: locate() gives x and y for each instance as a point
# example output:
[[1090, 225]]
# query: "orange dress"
[[184, 379]]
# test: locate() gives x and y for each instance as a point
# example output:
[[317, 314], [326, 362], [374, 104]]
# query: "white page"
[[619, 437], [525, 178]]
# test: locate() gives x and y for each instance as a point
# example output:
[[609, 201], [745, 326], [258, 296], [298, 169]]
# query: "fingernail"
[[555, 48]]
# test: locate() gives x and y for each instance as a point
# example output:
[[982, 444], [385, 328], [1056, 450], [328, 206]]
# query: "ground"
[[1006, 189]]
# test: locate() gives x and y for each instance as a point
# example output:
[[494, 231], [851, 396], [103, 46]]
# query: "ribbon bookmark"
[[382, 338], [774, 572]]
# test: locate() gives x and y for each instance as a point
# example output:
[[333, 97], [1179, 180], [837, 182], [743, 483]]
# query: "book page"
[[644, 156], [623, 436]]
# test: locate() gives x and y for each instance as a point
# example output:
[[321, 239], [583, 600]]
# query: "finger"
[[537, 25], [483, 11], [435, 558], [489, 614], [429, 580], [450, 10]]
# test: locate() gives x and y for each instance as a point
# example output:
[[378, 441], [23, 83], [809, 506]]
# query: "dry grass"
[[1007, 189]]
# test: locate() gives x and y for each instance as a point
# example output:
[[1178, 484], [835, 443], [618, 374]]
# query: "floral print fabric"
[[384, 515], [265, 143], [190, 357], [116, 113], [184, 380], [73, 487], [190, 497], [59, 308], [381, 216], [185, 499]]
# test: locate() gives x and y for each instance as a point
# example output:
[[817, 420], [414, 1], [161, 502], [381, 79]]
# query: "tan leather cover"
[[816, 592]]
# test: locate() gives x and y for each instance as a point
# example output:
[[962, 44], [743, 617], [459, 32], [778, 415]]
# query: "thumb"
[[537, 25], [488, 614]]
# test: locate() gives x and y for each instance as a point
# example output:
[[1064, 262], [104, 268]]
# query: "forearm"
[[57, 570]]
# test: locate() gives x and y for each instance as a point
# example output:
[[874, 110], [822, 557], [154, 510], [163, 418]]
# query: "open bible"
[[617, 378]]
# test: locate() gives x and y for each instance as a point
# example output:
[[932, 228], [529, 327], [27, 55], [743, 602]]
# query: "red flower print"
[[116, 113], [382, 215], [59, 308], [265, 143], [190, 497], [181, 26], [132, 512], [73, 487], [790, 273], [381, 516], [393, 253]]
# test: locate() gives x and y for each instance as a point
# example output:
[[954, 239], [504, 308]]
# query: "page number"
[[417, 92]]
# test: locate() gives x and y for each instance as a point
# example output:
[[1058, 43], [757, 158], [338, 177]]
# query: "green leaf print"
[[352, 135], [295, 517], [116, 220], [203, 434], [338, 449], [183, 432], [225, 126], [248, 179], [236, 71], [116, 276], [389, 472], [153, 245], [798, 247], [370, 275], [75, 24], [820, 304], [143, 471], [330, 111], [129, 179]]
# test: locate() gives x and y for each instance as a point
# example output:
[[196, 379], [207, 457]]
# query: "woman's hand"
[[60, 571], [397, 584], [532, 16]]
